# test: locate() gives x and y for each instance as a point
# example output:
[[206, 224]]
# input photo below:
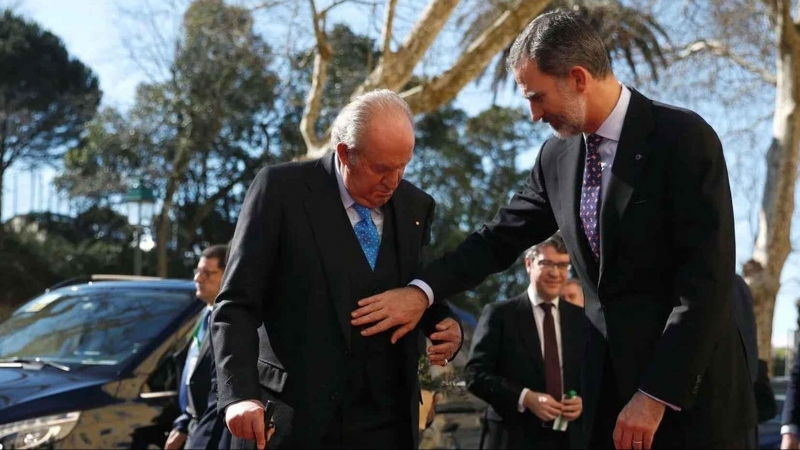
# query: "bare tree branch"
[[476, 57], [386, 36], [395, 73], [719, 49], [265, 5], [318, 78]]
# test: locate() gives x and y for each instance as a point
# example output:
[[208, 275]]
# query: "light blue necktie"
[[367, 234]]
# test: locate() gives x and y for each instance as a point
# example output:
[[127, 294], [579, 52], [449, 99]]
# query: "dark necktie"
[[552, 364], [590, 193]]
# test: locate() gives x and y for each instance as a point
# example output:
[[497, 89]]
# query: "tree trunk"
[[180, 161], [443, 88], [773, 245]]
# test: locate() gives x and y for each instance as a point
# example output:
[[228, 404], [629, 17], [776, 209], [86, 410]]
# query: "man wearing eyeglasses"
[[526, 355], [199, 425]]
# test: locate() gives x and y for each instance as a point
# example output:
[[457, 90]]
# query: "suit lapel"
[[529, 334], [407, 228], [201, 352], [632, 152], [570, 175], [338, 247]]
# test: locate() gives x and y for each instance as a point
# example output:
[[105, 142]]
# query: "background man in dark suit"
[[640, 192], [573, 292], [526, 354], [199, 421], [312, 239]]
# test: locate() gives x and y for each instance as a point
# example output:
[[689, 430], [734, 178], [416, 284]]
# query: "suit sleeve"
[[481, 369], [439, 311], [527, 219], [238, 311], [703, 250]]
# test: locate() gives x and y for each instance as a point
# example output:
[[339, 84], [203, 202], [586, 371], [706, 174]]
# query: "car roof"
[[154, 283]]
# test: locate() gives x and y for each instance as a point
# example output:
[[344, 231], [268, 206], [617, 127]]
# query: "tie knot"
[[593, 141], [363, 212], [546, 307]]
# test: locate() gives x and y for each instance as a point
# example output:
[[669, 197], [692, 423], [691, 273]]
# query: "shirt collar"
[[611, 129], [347, 199], [536, 300]]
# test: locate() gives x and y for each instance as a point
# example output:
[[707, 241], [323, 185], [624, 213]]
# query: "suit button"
[[346, 353], [334, 395]]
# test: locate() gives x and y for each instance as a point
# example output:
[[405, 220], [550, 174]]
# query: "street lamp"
[[140, 200]]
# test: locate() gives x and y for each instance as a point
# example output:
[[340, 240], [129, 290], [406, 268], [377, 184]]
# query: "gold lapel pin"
[[416, 222]]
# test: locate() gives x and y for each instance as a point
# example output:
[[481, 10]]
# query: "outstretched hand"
[[446, 340], [401, 308]]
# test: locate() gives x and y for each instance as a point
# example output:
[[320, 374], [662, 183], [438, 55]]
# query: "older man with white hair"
[[312, 239]]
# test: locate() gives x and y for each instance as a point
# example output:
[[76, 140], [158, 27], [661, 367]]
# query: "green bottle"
[[560, 424]]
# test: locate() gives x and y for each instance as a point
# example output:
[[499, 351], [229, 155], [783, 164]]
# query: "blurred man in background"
[[199, 425], [573, 292], [526, 354]]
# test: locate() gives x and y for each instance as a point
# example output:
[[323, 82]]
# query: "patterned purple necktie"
[[590, 193]]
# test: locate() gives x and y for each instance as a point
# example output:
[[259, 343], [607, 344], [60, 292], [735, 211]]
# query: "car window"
[[91, 326]]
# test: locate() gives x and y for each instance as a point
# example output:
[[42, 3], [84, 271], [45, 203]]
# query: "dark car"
[[95, 365]]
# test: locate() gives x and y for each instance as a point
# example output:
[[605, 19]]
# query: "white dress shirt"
[[538, 317], [610, 130]]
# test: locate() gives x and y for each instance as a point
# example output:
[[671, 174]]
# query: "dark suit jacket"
[[209, 426], [281, 327], [659, 299], [506, 356], [746, 321], [210, 432]]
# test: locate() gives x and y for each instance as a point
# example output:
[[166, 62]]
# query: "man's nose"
[[536, 112], [393, 180]]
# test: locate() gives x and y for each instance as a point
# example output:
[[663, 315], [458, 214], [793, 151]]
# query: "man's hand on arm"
[[543, 405], [402, 308], [638, 422], [245, 420], [175, 440], [447, 340]]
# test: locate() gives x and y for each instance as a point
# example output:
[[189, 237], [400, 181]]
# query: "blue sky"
[[91, 31]]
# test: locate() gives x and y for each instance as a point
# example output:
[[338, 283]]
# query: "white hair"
[[352, 121]]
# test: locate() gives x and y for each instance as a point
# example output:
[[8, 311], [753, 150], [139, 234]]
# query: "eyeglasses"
[[547, 264], [205, 272]]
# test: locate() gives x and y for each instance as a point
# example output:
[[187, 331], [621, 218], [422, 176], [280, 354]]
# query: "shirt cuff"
[[673, 407], [425, 288], [521, 401], [789, 429]]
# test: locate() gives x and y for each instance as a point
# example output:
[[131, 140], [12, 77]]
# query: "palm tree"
[[625, 31]]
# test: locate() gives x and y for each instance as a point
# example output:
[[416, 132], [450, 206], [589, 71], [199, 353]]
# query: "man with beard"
[[640, 192]]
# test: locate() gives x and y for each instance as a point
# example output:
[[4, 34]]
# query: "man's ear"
[[343, 153], [578, 77], [528, 266]]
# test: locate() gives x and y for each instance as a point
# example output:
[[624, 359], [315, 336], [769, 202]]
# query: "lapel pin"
[[416, 222], [638, 156]]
